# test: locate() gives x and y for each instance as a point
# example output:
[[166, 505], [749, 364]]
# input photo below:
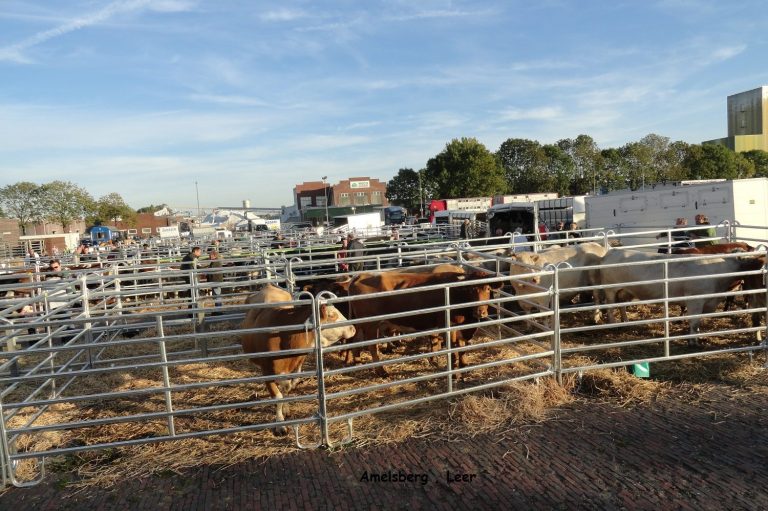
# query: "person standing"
[[560, 233], [702, 234], [189, 265], [680, 238], [519, 237], [572, 233], [341, 254], [215, 277], [464, 231]]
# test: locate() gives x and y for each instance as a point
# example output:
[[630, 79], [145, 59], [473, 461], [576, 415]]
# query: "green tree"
[[676, 155], [22, 201], [760, 161], [637, 163], [560, 168], [523, 163], [587, 161], [64, 202], [715, 161], [465, 168], [111, 208], [403, 189], [614, 172], [151, 208]]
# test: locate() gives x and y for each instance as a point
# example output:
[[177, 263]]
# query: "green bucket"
[[641, 370]]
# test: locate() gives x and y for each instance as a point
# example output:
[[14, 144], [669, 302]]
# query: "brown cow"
[[409, 302], [721, 248], [286, 315]]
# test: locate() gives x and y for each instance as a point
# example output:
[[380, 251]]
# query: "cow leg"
[[274, 392], [756, 316], [436, 342], [696, 307], [610, 298], [457, 339], [373, 349], [623, 296]]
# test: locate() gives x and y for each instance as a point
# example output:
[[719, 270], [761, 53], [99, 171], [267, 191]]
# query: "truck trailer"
[[536, 216], [743, 202]]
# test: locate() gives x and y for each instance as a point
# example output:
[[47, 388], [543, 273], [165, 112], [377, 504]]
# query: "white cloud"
[[283, 15], [532, 114], [727, 52], [227, 100], [14, 52]]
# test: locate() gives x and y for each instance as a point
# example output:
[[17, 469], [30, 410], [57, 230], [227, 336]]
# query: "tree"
[[465, 168], [151, 208], [523, 163], [112, 207], [22, 201], [614, 172], [760, 161], [403, 189], [587, 161], [560, 168], [715, 161], [64, 202], [637, 164]]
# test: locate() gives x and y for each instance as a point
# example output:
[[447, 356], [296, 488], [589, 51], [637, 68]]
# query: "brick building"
[[146, 225], [348, 195]]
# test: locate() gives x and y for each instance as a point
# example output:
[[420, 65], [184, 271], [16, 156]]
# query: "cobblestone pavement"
[[677, 453]]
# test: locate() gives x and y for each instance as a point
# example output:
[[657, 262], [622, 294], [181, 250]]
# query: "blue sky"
[[248, 98]]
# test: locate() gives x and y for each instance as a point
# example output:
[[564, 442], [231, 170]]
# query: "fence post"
[[166, 376], [321, 402], [448, 346], [87, 314], [557, 361], [666, 308]]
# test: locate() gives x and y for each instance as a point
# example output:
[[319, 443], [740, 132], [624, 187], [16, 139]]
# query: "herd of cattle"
[[425, 301]]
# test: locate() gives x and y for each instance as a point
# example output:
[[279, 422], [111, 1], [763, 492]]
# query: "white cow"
[[576, 256], [705, 277]]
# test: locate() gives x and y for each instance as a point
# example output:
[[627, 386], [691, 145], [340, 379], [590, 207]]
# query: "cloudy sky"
[[249, 97]]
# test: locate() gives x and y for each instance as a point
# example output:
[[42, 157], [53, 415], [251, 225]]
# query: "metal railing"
[[137, 345]]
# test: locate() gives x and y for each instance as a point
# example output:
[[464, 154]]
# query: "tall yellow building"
[[747, 121]]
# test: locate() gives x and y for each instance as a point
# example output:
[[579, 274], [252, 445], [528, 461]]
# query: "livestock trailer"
[[529, 215], [743, 202]]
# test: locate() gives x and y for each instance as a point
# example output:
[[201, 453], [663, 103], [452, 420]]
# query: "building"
[[146, 225], [356, 194], [747, 121]]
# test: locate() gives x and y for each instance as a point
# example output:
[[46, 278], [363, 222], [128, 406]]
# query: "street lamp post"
[[197, 194], [325, 191]]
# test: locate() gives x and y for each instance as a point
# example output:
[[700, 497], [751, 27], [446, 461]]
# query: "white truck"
[[362, 224], [743, 202]]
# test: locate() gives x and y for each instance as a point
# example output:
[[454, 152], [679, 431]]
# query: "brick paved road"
[[677, 453]]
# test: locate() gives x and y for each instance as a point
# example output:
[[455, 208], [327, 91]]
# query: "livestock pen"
[[136, 357]]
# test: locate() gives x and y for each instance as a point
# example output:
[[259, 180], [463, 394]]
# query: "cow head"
[[480, 293], [328, 336]]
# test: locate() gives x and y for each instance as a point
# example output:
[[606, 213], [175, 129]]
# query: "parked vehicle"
[[743, 201]]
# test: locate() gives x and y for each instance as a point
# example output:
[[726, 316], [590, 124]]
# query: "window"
[[305, 202], [344, 199], [131, 232], [376, 198], [146, 230], [320, 200], [361, 198]]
